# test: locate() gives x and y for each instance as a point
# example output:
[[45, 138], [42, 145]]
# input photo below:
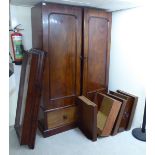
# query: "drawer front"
[[61, 117]]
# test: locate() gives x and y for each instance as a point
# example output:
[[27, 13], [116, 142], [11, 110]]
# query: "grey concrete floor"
[[73, 142]]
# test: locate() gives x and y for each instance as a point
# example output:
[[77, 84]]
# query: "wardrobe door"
[[97, 26], [62, 40]]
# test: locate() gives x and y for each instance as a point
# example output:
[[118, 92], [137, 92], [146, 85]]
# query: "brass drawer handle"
[[64, 117]]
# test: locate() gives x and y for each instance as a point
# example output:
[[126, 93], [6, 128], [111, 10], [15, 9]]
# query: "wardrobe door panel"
[[64, 48], [62, 52], [96, 51]]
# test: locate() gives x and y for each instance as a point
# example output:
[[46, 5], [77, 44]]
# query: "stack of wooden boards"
[[109, 114]]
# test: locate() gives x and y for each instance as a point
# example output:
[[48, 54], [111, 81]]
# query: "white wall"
[[19, 15], [22, 15], [128, 54]]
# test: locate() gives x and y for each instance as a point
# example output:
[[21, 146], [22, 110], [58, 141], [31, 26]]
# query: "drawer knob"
[[126, 115], [64, 117]]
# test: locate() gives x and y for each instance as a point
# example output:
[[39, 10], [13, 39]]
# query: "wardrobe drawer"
[[61, 117]]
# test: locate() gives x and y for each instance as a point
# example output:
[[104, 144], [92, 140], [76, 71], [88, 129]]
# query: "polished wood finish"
[[29, 97], [96, 51], [64, 59], [87, 121], [134, 100], [62, 41], [107, 115], [61, 33], [77, 42]]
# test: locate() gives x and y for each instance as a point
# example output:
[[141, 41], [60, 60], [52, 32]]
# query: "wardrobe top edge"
[[60, 4]]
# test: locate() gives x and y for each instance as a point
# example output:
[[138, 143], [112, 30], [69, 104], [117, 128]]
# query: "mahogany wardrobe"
[[77, 42]]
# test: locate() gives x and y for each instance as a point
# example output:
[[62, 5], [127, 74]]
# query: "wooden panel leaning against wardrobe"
[[61, 31]]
